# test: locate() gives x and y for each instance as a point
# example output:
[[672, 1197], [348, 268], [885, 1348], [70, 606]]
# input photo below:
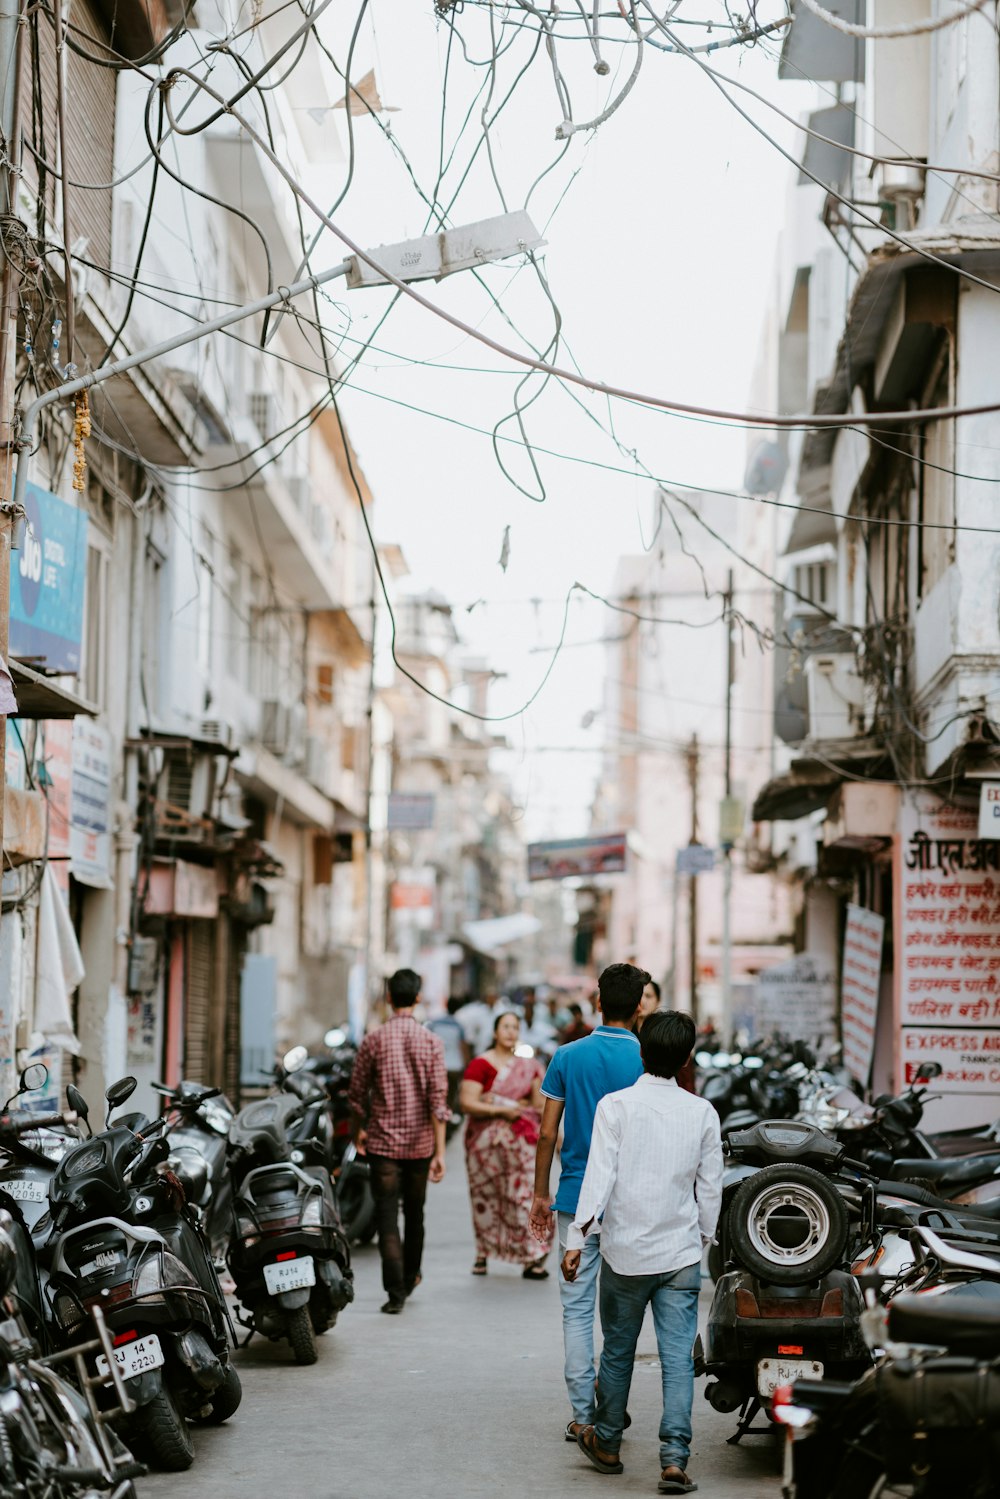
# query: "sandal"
[[587, 1443], [535, 1271], [479, 1268], [674, 1480]]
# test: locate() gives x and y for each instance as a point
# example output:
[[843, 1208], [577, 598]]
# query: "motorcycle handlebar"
[[23, 1123]]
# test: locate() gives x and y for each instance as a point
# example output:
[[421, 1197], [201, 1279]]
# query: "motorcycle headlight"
[[312, 1212]]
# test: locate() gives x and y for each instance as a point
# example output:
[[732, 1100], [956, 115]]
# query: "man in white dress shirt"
[[654, 1174]]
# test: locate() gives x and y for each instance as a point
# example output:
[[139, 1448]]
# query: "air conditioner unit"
[[185, 795], [274, 726], [836, 694], [218, 731], [316, 764]]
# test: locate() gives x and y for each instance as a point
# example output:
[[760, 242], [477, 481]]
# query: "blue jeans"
[[579, 1301], [674, 1299]]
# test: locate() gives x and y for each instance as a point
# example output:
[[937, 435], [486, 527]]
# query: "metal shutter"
[[198, 999]]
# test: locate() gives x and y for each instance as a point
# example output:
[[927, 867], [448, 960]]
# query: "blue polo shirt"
[[580, 1075]]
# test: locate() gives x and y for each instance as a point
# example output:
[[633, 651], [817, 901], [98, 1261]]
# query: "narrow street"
[[461, 1396]]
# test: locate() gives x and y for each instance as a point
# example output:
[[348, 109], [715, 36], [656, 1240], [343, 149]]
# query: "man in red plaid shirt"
[[399, 1108]]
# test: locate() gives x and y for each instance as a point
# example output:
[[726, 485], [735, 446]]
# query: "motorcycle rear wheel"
[[788, 1225], [165, 1433], [301, 1336], [226, 1399]]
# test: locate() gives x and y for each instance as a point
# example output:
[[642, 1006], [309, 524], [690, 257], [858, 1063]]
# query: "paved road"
[[459, 1398]]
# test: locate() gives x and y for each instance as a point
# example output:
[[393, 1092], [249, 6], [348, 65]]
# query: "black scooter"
[[288, 1254], [124, 1239], [787, 1305], [197, 1133]]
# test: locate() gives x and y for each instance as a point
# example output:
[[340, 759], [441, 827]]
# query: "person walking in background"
[[649, 1005], [399, 1109], [576, 1029], [500, 1094], [577, 1079], [448, 1029], [654, 1174]]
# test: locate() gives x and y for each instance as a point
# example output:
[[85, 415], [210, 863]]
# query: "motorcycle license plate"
[[23, 1189], [290, 1275], [137, 1357], [772, 1373]]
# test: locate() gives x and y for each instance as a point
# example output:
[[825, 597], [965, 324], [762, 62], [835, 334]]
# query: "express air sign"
[[48, 580]]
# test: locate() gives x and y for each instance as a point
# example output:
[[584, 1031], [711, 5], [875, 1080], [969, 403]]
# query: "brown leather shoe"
[[674, 1480]]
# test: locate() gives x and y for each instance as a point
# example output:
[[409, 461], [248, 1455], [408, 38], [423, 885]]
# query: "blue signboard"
[[47, 582]]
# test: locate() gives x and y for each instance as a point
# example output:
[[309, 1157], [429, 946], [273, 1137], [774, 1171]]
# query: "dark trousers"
[[394, 1182]]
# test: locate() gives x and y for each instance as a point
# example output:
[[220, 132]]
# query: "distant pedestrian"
[[500, 1094], [649, 1005], [576, 1029], [448, 1028], [537, 1030], [578, 1078], [654, 1175], [399, 1108], [476, 1018]]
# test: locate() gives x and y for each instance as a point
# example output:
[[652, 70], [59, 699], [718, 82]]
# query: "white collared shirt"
[[655, 1173]]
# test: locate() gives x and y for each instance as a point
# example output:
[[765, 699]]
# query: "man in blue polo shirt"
[[578, 1077]]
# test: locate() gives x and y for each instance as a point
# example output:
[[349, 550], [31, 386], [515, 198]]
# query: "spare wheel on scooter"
[[787, 1224]]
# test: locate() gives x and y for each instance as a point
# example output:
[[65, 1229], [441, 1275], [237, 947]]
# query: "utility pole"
[[692, 770], [10, 87], [727, 848]]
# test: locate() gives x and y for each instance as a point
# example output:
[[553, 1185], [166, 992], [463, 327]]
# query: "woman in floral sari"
[[501, 1094]]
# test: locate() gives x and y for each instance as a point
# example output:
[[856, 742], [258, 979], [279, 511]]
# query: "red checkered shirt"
[[400, 1085]]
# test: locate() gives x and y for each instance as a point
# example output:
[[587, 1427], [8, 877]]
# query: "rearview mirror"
[[294, 1059], [928, 1070], [119, 1092], [33, 1077], [78, 1104], [335, 1038]]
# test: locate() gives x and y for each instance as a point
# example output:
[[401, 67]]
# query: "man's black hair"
[[456, 1002], [576, 1010], [404, 987], [667, 1040], [620, 987]]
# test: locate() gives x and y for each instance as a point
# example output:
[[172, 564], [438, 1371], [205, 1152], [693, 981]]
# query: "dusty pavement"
[[461, 1397]]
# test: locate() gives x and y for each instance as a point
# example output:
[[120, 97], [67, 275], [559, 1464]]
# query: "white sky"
[[660, 258]]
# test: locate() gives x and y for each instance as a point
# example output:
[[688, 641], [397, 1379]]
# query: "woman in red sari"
[[501, 1094]]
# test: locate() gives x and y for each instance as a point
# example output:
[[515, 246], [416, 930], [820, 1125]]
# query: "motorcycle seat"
[[264, 1125], [965, 1322], [950, 1173]]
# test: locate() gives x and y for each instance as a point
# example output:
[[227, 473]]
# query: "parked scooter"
[[53, 1437], [332, 1071], [124, 1240], [288, 1255], [786, 1305], [926, 1420], [198, 1129]]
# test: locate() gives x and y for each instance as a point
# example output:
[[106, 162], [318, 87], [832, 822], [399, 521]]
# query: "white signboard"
[[859, 989], [90, 802], [948, 946], [797, 999], [989, 809]]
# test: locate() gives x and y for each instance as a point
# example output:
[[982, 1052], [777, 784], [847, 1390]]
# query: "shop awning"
[[803, 789], [40, 697]]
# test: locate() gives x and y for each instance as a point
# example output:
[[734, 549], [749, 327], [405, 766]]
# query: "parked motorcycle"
[[124, 1239], [786, 1304], [198, 1129], [926, 1421], [288, 1254], [54, 1442], [332, 1072]]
